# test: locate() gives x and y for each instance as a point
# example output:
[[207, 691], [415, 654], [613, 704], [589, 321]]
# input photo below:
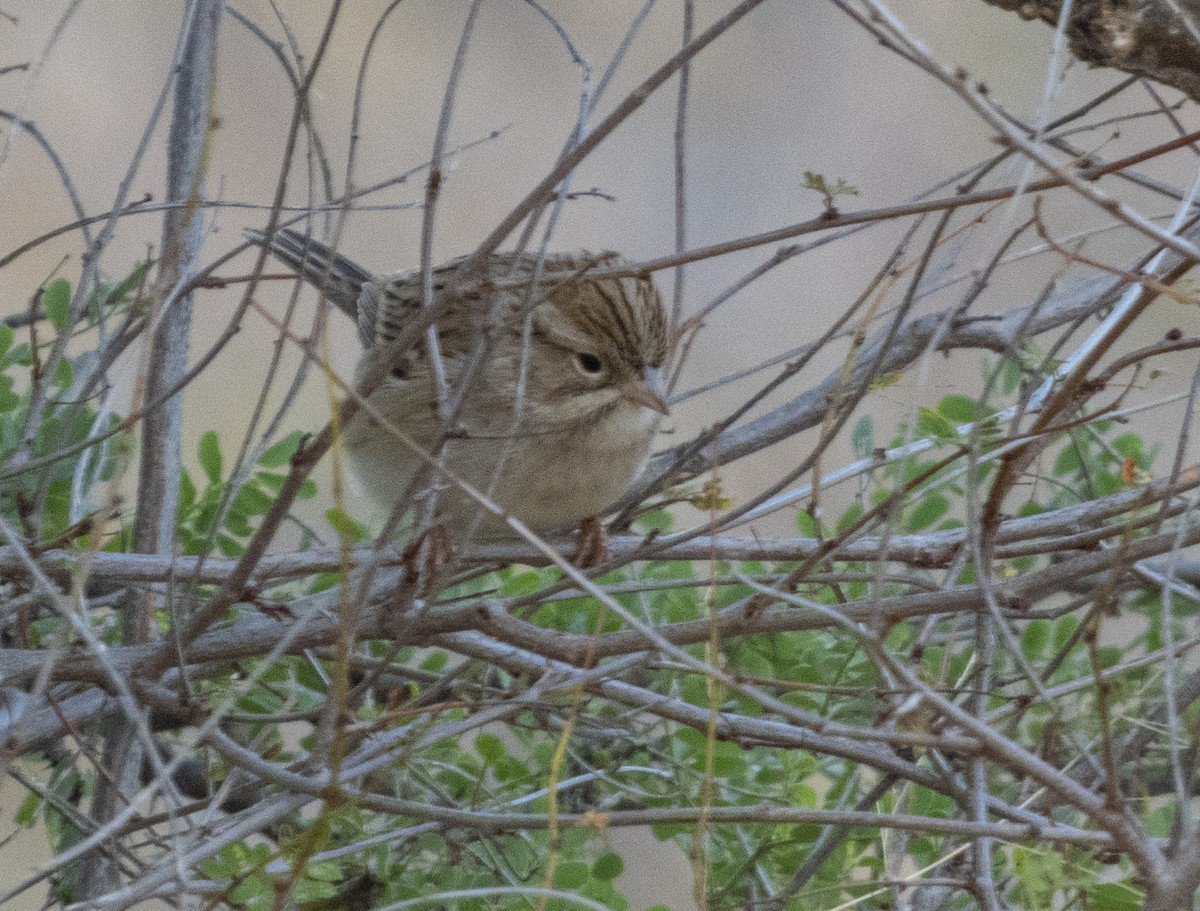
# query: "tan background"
[[795, 87]]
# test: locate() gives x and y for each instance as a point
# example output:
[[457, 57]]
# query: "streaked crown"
[[626, 314]]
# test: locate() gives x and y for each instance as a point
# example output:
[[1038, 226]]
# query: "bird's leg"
[[426, 557], [592, 546], [424, 562]]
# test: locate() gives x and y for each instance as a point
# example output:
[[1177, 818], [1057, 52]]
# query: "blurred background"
[[795, 87]]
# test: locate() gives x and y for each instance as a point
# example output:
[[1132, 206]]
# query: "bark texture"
[[1158, 39]]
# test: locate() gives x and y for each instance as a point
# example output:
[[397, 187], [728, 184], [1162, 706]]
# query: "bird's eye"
[[588, 363]]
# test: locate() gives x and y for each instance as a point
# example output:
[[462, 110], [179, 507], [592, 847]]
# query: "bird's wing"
[[386, 306]]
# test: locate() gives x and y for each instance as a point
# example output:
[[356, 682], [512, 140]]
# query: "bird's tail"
[[340, 279]]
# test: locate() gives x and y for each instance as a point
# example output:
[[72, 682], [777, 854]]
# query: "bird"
[[558, 414]]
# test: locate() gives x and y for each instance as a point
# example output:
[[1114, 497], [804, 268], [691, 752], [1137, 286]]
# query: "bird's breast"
[[546, 479]]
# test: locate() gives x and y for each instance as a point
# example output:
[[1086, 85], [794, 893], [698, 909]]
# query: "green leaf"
[[210, 456], [1130, 445], [814, 181], [806, 523], [1114, 897], [931, 508], [1067, 462], [117, 293], [1034, 638], [1011, 377], [323, 582], [490, 747], [281, 453], [56, 303], [230, 547], [192, 545], [525, 583], [187, 493], [236, 522], [509, 769], [252, 501], [571, 875], [206, 512], [1110, 655], [17, 354], [8, 399], [729, 763], [65, 374], [958, 408], [26, 815], [57, 517], [1064, 629], [932, 424], [6, 337], [608, 866], [656, 520], [1160, 822], [435, 660], [347, 527], [270, 480], [849, 518], [325, 871]]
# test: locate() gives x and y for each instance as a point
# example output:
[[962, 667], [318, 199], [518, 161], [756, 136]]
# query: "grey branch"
[[1079, 525], [1001, 334], [158, 479]]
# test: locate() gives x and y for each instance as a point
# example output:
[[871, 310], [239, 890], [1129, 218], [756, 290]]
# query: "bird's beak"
[[646, 392]]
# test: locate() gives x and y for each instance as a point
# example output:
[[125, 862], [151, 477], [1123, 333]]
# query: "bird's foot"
[[424, 561], [592, 546], [426, 557]]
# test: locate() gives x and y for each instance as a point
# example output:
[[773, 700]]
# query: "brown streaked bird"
[[592, 399]]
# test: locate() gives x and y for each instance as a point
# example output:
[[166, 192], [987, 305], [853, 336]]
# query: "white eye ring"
[[588, 364]]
